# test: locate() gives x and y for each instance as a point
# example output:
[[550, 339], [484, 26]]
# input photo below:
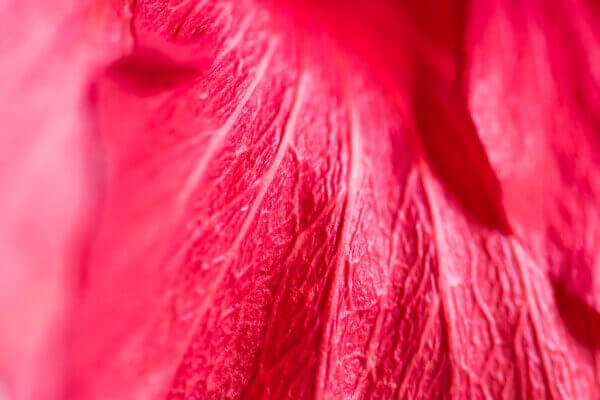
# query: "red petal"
[[533, 96], [302, 204]]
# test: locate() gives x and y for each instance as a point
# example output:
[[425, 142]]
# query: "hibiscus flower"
[[258, 199]]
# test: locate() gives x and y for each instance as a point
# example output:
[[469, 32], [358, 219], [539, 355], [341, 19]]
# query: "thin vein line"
[[442, 283], [219, 135], [284, 144], [353, 179]]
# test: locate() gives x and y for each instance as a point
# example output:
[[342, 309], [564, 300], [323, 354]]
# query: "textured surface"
[[397, 203]]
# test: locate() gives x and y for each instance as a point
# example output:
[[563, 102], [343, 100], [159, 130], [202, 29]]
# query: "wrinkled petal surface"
[[332, 201]]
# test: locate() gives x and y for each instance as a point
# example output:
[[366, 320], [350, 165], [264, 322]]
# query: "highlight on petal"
[[290, 200]]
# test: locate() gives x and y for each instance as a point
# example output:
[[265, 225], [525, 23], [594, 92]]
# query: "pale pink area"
[[48, 185]]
